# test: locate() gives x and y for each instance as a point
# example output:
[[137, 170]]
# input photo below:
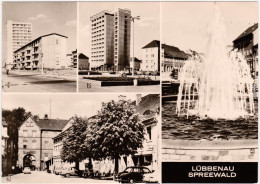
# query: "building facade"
[[247, 43], [173, 59], [151, 56], [17, 35], [47, 52], [35, 145], [110, 40], [83, 62], [4, 148], [74, 59], [135, 64]]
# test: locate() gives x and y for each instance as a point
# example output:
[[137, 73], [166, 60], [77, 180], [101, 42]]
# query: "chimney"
[[46, 116], [121, 98], [138, 98]]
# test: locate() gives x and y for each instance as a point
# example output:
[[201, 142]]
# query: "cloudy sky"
[[46, 18], [184, 24], [63, 106], [146, 29]]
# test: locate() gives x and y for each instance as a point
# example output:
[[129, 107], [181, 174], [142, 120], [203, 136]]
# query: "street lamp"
[[133, 20]]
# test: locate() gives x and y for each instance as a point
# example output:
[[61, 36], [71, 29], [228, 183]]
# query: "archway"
[[29, 161]]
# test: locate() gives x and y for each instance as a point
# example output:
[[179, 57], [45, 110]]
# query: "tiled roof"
[[149, 102], [248, 31], [51, 124], [173, 52], [83, 56], [154, 43]]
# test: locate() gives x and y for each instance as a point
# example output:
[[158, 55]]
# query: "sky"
[[146, 29], [46, 18], [63, 106], [184, 24]]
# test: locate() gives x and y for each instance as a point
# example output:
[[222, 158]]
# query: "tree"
[[116, 131], [74, 149], [14, 118]]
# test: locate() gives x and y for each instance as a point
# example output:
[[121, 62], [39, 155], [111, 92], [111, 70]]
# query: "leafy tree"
[[116, 131], [14, 118], [74, 149]]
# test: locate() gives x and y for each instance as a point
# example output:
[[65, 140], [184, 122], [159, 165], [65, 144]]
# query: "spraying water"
[[218, 86]]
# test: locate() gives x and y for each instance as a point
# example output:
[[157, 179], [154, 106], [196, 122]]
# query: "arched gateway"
[[29, 161]]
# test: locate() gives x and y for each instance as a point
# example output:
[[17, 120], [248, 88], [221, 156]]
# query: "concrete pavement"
[[95, 88], [34, 82], [44, 177]]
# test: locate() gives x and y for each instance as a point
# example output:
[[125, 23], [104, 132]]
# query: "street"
[[44, 177], [34, 82]]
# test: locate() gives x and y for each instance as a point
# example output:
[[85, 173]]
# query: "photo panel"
[[111, 34], [39, 39], [209, 92]]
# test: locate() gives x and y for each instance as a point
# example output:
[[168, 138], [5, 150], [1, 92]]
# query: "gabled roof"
[[83, 56], [51, 124], [154, 43], [38, 39], [248, 31], [149, 102], [173, 52]]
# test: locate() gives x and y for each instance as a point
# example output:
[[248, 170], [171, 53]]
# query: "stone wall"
[[218, 150]]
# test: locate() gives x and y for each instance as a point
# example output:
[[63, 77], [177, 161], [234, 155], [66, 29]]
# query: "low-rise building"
[[35, 145], [151, 56], [172, 59], [136, 64], [247, 43], [83, 62], [47, 51]]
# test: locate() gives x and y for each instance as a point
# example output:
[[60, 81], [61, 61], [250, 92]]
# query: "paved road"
[[82, 85], [44, 177], [35, 83]]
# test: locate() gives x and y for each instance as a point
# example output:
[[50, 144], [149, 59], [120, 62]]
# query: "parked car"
[[27, 170], [71, 171], [132, 174], [152, 177], [57, 171]]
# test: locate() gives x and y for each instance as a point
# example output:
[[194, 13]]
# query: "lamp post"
[[133, 20]]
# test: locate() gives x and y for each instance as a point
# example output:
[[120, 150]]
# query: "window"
[[34, 133], [25, 133], [34, 144], [24, 144], [57, 41], [152, 55], [46, 142], [149, 132]]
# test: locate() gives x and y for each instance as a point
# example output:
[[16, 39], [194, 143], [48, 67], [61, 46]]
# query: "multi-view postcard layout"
[[129, 92]]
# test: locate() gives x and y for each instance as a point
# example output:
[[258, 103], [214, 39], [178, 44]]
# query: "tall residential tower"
[[110, 40], [17, 35]]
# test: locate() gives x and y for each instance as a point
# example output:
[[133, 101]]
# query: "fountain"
[[218, 85]]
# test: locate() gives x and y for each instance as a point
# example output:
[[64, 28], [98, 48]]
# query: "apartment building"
[[110, 40], [151, 56], [17, 35], [47, 51], [35, 146], [74, 59]]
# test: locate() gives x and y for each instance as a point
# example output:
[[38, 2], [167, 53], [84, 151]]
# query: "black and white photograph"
[[80, 138], [210, 82], [39, 41], [119, 44]]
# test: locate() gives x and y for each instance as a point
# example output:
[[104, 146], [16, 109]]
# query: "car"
[[132, 174], [27, 170], [152, 177], [71, 171], [57, 171]]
